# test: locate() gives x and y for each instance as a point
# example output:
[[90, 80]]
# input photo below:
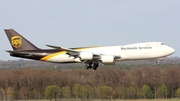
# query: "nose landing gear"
[[158, 62]]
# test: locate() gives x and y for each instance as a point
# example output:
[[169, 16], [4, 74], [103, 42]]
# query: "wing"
[[70, 52], [75, 53]]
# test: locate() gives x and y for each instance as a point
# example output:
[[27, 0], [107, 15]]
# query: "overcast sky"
[[76, 23]]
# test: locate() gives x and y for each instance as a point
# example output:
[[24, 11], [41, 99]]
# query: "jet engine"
[[107, 59], [86, 56]]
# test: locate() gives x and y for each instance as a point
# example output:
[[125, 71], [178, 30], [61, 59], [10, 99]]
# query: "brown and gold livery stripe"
[[52, 55], [45, 58]]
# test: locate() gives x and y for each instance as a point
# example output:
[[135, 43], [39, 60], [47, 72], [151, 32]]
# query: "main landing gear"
[[91, 65]]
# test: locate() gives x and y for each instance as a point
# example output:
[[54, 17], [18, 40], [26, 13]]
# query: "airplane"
[[90, 56]]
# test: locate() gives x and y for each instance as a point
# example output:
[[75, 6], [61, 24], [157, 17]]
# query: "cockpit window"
[[162, 44]]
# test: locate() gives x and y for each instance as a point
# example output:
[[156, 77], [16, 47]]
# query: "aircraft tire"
[[88, 66], [158, 63], [95, 66]]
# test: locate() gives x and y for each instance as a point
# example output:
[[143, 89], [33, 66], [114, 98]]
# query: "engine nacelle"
[[86, 56], [107, 59]]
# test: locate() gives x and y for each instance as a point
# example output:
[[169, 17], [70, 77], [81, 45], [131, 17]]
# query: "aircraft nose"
[[170, 50], [173, 50]]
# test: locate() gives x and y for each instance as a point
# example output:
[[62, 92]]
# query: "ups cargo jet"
[[91, 56]]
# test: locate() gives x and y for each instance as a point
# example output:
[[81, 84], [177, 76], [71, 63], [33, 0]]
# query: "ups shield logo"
[[16, 41]]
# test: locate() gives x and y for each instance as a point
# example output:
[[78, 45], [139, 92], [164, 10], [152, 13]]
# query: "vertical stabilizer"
[[18, 42]]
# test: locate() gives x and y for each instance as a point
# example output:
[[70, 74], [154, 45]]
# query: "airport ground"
[[175, 99]]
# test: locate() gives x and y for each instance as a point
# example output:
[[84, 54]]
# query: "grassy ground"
[[107, 100]]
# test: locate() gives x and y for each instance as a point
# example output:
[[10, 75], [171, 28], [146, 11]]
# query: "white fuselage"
[[138, 51]]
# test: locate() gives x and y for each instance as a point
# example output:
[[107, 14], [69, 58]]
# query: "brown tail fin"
[[18, 42]]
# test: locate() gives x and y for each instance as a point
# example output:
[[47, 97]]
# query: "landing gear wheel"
[[158, 63], [95, 66], [88, 66]]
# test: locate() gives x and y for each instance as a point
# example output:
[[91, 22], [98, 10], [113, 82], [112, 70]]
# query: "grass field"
[[175, 99]]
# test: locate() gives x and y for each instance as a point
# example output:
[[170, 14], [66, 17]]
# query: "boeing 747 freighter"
[[90, 56]]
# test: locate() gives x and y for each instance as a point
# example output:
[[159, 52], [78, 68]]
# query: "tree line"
[[145, 82]]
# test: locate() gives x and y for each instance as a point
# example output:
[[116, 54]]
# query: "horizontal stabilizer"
[[16, 52]]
